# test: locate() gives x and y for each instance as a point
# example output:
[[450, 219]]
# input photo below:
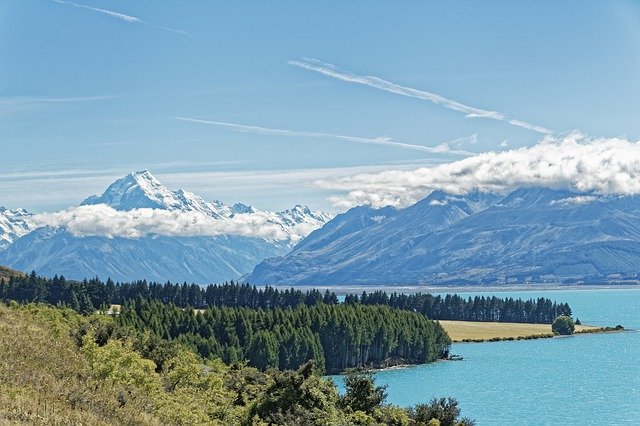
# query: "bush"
[[362, 393], [445, 410], [563, 325]]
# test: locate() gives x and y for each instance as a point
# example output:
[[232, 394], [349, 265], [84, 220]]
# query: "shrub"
[[563, 325]]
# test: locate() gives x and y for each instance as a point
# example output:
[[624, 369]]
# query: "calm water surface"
[[576, 380]]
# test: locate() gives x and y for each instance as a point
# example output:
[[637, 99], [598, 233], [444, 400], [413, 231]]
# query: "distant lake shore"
[[354, 289]]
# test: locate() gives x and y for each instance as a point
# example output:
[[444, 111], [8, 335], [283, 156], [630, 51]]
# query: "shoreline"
[[590, 330], [475, 331], [597, 330], [357, 289]]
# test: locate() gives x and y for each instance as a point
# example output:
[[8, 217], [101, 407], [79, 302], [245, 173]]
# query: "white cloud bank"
[[575, 162], [103, 220], [329, 70]]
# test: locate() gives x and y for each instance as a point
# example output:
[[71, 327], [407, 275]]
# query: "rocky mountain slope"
[[531, 235]]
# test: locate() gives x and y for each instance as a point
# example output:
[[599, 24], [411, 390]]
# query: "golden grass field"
[[461, 330]]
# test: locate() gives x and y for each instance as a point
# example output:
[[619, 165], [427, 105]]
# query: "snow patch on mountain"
[[580, 199], [13, 225]]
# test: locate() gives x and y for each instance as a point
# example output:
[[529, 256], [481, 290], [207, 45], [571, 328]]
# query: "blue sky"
[[87, 95]]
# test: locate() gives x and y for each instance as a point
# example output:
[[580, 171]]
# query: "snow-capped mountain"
[[13, 225], [201, 259], [532, 234], [141, 189]]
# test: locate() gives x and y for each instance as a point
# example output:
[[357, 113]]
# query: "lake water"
[[576, 380]]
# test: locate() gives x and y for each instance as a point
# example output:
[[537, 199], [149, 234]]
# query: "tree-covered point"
[[336, 337], [479, 308]]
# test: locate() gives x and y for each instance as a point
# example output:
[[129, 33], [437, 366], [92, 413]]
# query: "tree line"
[[335, 336], [478, 308], [89, 295]]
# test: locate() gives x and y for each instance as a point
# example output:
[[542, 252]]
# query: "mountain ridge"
[[531, 234]]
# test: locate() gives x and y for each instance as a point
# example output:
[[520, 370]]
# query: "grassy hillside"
[[6, 273], [59, 367], [44, 377]]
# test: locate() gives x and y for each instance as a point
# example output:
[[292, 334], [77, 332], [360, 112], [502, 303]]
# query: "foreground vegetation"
[[59, 367]]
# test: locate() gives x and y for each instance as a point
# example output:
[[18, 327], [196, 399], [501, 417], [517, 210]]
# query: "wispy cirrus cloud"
[[332, 71], [28, 100], [440, 149], [18, 104], [574, 162], [530, 126], [121, 16]]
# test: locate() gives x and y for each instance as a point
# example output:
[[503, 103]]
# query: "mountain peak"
[[301, 209], [240, 208], [136, 190], [143, 173], [144, 179], [141, 189]]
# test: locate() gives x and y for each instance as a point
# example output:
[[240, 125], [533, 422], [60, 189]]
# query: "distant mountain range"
[[530, 235], [202, 259]]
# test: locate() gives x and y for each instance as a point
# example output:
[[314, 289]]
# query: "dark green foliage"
[[362, 393], [563, 325], [83, 296], [336, 337], [457, 308], [445, 410], [263, 350], [93, 293], [297, 398]]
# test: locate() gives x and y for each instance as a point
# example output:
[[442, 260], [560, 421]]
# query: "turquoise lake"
[[576, 380]]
